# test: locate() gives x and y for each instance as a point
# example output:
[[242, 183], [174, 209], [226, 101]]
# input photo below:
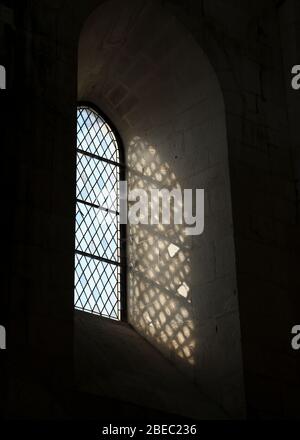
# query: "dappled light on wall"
[[159, 265]]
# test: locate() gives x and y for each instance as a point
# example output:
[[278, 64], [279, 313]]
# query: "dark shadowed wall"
[[241, 142]]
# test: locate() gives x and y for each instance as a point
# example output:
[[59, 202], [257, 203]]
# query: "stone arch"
[[150, 76]]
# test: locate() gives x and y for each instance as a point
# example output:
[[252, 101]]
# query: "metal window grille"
[[98, 251]]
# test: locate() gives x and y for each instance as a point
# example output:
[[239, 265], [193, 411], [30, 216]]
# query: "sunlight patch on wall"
[[159, 264]]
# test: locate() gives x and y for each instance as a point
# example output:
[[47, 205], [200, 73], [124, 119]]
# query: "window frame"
[[122, 227]]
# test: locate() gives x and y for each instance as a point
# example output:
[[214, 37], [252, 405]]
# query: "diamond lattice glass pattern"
[[97, 241]]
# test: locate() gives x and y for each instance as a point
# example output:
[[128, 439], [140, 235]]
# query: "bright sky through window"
[[97, 241]]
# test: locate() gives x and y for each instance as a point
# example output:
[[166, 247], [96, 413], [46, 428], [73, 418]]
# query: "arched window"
[[99, 248]]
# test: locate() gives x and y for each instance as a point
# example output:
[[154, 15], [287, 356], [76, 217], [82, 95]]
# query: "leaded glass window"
[[98, 250]]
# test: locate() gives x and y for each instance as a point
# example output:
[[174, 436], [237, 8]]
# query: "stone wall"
[[246, 43]]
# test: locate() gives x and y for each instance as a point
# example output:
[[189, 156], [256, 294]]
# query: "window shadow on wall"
[[159, 263]]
